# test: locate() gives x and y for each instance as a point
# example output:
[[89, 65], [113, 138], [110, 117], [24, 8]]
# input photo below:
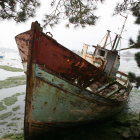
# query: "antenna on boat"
[[119, 36]]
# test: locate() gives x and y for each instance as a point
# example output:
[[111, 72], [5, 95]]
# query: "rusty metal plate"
[[23, 41], [55, 58]]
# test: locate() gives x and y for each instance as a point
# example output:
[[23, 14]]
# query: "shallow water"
[[134, 101], [18, 115], [6, 92], [5, 74], [128, 64]]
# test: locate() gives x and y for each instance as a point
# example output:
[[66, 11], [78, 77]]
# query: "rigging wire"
[[103, 39], [120, 46]]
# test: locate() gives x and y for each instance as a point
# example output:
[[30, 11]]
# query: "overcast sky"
[[74, 38]]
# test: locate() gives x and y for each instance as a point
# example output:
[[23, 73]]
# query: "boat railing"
[[122, 78]]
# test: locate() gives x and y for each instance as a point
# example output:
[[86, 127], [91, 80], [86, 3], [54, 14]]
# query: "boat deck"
[[115, 90]]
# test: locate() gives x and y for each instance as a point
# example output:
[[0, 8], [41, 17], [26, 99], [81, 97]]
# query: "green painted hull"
[[58, 103]]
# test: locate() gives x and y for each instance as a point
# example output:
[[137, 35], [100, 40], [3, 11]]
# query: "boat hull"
[[57, 103], [56, 94]]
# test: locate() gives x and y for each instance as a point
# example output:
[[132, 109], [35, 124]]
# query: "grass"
[[5, 115], [18, 94], [136, 90], [11, 124], [14, 136], [12, 82], [16, 108], [2, 107], [2, 123], [10, 100], [13, 69], [16, 119], [125, 117]]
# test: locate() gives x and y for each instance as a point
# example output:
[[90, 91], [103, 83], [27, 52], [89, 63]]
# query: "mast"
[[119, 36], [108, 34], [114, 42]]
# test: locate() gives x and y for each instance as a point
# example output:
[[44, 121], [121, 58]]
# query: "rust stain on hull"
[[52, 56]]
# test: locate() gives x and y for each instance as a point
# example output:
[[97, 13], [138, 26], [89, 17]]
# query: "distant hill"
[[77, 52], [8, 50], [9, 53]]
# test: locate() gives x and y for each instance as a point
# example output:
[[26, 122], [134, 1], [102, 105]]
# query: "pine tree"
[[134, 7], [19, 10], [75, 12], [136, 12]]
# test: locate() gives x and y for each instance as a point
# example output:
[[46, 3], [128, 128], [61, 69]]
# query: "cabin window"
[[102, 53]]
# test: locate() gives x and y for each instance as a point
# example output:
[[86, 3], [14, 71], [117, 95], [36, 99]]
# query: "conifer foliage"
[[75, 12], [19, 10], [134, 7]]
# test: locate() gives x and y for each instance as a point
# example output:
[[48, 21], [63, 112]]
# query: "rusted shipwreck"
[[65, 89]]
